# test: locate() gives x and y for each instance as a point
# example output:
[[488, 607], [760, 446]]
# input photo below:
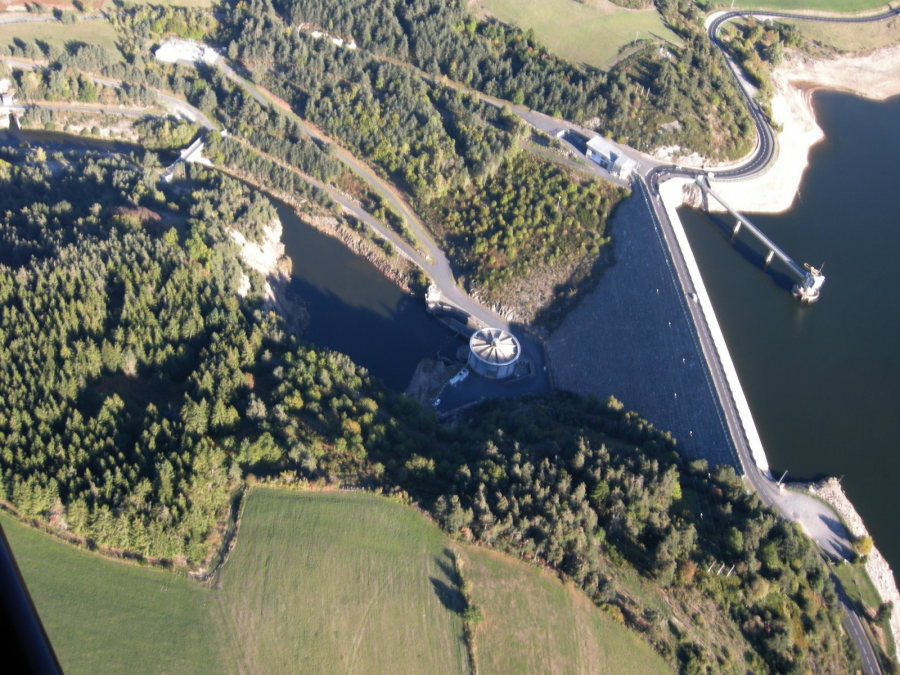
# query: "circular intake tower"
[[493, 353]]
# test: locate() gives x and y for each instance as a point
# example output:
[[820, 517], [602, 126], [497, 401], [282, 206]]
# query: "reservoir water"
[[355, 309], [823, 381]]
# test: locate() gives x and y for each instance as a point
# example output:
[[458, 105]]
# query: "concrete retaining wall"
[[672, 192]]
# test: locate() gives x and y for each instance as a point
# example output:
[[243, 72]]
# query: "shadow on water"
[[751, 253], [389, 338], [355, 309]]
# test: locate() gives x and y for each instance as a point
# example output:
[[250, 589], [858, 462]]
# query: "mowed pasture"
[[339, 581], [804, 5], [535, 624], [851, 37], [91, 31], [104, 616], [592, 32]]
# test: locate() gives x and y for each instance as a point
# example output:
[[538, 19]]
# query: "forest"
[[634, 103], [439, 144], [529, 219], [139, 393]]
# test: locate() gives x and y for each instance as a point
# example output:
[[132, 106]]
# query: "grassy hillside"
[[534, 624], [800, 5], [341, 582], [95, 32], [850, 37], [584, 32], [337, 581], [108, 617]]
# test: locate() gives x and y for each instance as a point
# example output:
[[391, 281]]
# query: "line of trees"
[[632, 102], [137, 390]]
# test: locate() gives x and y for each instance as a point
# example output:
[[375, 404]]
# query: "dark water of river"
[[58, 141], [823, 381], [354, 309]]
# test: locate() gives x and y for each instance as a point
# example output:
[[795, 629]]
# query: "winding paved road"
[[428, 255], [817, 519], [765, 146]]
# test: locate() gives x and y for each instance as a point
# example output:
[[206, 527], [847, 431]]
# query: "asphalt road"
[[765, 147], [817, 519], [427, 255], [815, 516], [178, 106]]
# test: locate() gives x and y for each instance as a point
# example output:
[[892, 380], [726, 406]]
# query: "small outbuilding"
[[493, 353], [610, 157], [176, 50]]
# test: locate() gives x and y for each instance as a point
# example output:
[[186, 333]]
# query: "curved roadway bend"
[[817, 519], [430, 258], [765, 147], [177, 105]]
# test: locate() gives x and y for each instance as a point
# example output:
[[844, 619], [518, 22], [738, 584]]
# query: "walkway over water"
[[810, 279], [192, 153]]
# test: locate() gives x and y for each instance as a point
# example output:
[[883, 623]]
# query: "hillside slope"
[[330, 581]]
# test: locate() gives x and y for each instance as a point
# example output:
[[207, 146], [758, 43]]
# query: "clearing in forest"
[[592, 32], [91, 31], [341, 582], [535, 624], [336, 581]]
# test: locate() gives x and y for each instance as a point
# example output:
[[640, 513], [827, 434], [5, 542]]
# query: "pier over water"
[[809, 278]]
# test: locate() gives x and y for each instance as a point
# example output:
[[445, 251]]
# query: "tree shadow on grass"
[[448, 591], [449, 596]]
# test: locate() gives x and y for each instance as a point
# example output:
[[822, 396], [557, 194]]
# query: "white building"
[[610, 157], [493, 353], [174, 50]]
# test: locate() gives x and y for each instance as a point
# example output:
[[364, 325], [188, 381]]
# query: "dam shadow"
[[752, 254]]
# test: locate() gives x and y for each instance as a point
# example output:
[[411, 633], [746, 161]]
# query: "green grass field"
[[848, 37], [108, 617], [857, 584], [96, 31], [800, 5], [341, 582], [591, 32], [534, 624], [319, 582]]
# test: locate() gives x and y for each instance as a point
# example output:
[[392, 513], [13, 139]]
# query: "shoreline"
[[876, 566], [873, 76], [672, 193], [678, 192]]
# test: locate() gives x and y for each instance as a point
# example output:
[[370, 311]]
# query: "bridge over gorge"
[[192, 153], [809, 279]]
